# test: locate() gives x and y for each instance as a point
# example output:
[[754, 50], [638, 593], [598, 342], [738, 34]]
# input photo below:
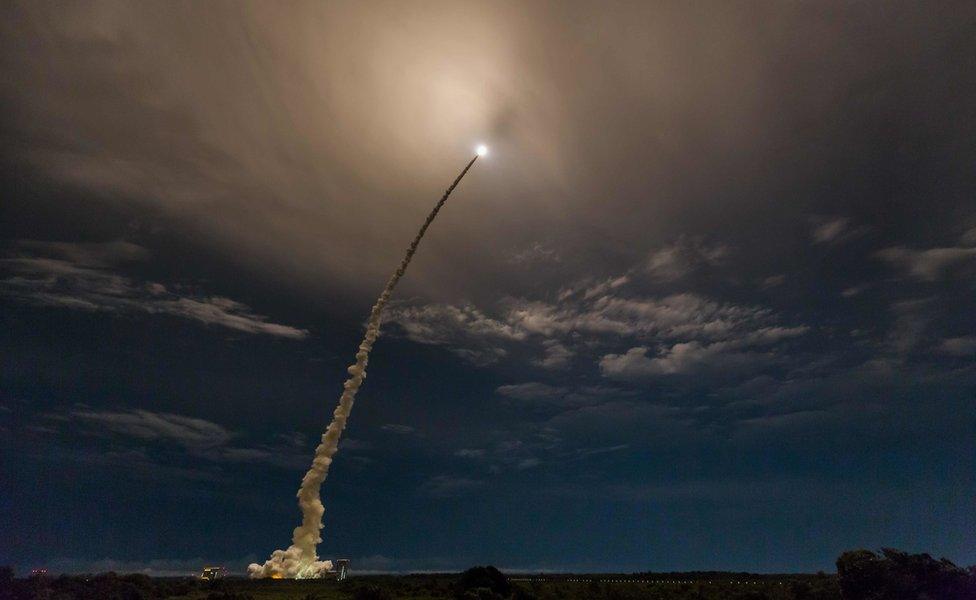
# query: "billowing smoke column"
[[300, 561]]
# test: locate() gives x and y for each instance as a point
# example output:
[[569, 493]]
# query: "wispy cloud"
[[835, 230], [398, 428], [780, 421], [855, 290], [684, 256], [968, 238], [681, 359], [470, 453], [535, 253], [736, 354], [531, 391], [138, 436], [542, 395], [446, 486], [826, 230], [959, 346], [78, 276], [90, 254], [556, 355], [673, 316], [927, 265], [587, 452], [911, 319], [143, 424], [465, 330]]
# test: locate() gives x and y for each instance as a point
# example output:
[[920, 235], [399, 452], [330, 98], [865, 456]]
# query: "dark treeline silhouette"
[[861, 575], [897, 575], [105, 586], [486, 583]]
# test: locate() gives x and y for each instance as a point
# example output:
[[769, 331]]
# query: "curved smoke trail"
[[300, 560]]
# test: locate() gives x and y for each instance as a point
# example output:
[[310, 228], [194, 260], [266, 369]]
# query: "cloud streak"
[[446, 486], [681, 258], [143, 424], [680, 359], [927, 265], [77, 276], [157, 443]]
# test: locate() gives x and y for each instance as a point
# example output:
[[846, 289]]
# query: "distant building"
[[213, 573], [341, 566], [38, 573]]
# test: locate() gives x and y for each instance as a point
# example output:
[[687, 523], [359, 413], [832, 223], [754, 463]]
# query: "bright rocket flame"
[[481, 150]]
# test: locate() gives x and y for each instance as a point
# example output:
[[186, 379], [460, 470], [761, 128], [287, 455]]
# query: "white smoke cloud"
[[300, 560], [289, 564]]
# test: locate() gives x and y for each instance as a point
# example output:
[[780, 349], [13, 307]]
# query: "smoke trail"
[[300, 560]]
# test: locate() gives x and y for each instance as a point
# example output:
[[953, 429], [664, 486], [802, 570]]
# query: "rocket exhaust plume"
[[300, 561]]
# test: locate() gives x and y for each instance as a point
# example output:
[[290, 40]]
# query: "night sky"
[[707, 304]]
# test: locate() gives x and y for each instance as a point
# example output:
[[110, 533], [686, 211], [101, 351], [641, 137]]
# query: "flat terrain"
[[431, 587], [475, 584], [861, 575]]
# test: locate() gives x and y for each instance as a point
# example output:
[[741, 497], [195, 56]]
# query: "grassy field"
[[618, 587], [418, 587]]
